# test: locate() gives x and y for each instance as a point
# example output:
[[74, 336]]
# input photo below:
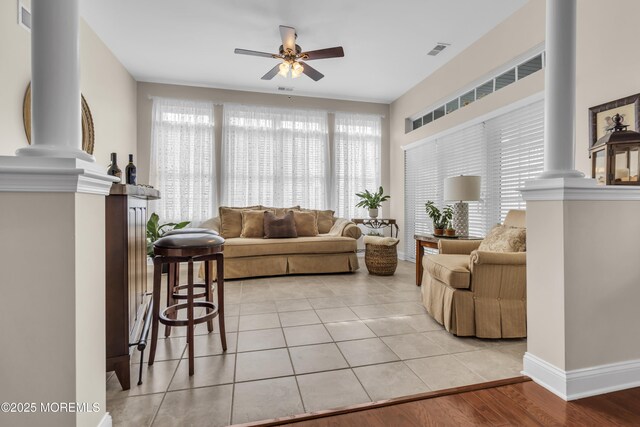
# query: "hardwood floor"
[[518, 402]]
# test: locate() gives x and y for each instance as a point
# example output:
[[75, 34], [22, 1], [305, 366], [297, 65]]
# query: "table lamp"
[[463, 188]]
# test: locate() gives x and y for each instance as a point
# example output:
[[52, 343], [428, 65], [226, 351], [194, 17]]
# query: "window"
[[506, 79], [274, 156], [530, 67], [357, 146], [182, 159], [505, 151]]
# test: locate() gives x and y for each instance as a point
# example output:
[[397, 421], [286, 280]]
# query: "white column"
[[56, 129], [560, 91]]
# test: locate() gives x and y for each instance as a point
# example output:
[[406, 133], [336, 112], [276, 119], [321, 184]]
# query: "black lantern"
[[615, 158]]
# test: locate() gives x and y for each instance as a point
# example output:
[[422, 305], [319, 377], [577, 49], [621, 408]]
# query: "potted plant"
[[155, 230], [440, 218], [372, 201]]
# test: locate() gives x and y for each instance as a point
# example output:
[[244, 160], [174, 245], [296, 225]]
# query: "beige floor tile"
[[259, 400], [333, 389], [293, 305], [257, 365], [167, 349], [258, 321], [305, 335], [298, 318], [389, 326], [288, 294], [231, 309], [210, 344], [440, 372], [257, 307], [454, 344], [316, 358], [155, 379], [341, 314], [210, 406], [411, 346], [328, 302], [389, 380], [260, 340], [355, 300], [134, 411], [208, 371], [393, 296], [492, 364], [371, 311], [423, 323], [317, 292], [353, 330], [404, 308], [366, 352]]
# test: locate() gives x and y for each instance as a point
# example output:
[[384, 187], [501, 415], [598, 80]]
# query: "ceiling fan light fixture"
[[284, 69], [297, 70]]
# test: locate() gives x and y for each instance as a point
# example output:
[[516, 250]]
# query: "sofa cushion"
[[239, 247], [502, 238], [276, 227], [325, 221], [231, 220], [452, 270], [252, 223], [306, 223], [281, 211]]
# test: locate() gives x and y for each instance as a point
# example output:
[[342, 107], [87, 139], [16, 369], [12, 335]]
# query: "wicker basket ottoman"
[[381, 255]]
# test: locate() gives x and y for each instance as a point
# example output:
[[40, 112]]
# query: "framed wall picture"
[[600, 116]]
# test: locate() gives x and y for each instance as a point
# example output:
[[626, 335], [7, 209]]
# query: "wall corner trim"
[[576, 189], [585, 382]]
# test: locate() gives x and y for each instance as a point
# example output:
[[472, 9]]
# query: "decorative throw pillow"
[[231, 220], [505, 239], [306, 223], [281, 211], [252, 224], [325, 221], [279, 227]]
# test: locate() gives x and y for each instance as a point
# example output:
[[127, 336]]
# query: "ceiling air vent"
[[438, 48], [285, 89], [24, 16]]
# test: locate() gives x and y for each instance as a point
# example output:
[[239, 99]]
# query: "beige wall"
[[145, 90], [107, 86], [601, 77], [53, 277], [521, 32]]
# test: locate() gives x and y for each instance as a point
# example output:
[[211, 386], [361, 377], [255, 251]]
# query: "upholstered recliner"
[[477, 293]]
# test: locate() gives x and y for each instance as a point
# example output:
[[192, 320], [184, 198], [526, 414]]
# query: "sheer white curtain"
[[182, 159], [357, 146], [275, 157]]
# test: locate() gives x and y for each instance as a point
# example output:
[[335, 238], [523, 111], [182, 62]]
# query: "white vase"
[[373, 213]]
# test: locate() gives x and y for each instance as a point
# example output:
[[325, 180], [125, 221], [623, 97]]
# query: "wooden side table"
[[378, 223], [431, 241]]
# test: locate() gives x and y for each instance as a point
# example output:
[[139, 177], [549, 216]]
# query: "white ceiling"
[[385, 41]]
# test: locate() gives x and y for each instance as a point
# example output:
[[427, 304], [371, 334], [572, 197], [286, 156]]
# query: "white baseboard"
[[580, 383], [106, 421], [401, 256]]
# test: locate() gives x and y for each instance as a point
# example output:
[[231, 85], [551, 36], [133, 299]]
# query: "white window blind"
[[505, 151], [275, 156], [182, 159], [357, 146]]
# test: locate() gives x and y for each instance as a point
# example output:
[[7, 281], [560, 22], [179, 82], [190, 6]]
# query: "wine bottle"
[[114, 170], [130, 171]]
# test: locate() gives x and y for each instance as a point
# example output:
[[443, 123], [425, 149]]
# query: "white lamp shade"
[[464, 188]]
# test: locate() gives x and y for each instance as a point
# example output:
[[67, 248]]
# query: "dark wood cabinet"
[[126, 273]]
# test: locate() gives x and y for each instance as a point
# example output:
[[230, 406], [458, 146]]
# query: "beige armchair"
[[477, 293]]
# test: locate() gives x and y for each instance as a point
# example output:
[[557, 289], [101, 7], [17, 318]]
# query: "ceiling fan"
[[292, 56]]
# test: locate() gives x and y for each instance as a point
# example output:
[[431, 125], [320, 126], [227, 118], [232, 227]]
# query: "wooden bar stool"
[[173, 284], [189, 248]]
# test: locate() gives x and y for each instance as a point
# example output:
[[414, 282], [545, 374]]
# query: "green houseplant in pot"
[[440, 219], [372, 201], [155, 230]]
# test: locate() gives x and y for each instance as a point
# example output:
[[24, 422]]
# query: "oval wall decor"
[[88, 136]]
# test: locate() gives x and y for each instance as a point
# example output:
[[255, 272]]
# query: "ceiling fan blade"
[[271, 73], [332, 52], [255, 53], [311, 72], [288, 35]]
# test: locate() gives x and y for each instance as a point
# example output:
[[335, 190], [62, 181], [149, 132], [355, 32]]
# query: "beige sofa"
[[477, 293], [332, 252]]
